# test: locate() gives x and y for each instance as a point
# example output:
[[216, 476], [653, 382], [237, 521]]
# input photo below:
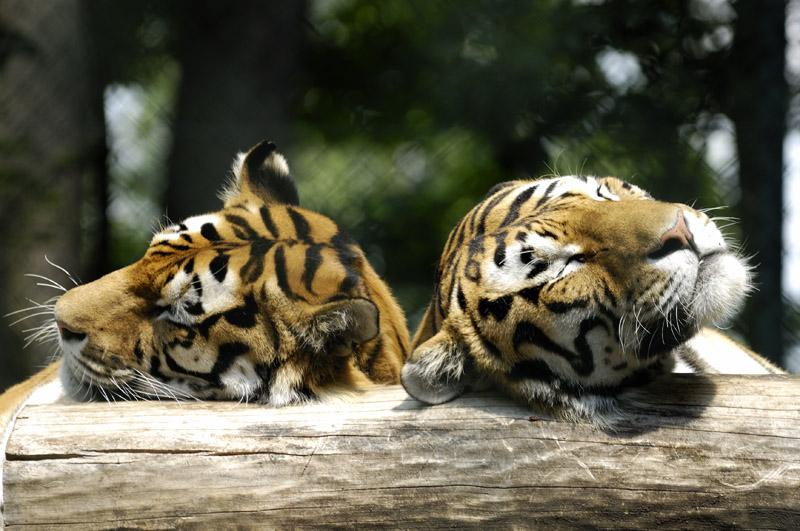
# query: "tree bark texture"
[[698, 452]]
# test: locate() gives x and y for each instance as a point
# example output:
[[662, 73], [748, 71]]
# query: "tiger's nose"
[[69, 335], [675, 239]]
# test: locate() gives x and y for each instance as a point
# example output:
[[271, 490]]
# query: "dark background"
[[396, 116]]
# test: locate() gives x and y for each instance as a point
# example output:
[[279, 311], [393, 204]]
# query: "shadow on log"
[[701, 452]]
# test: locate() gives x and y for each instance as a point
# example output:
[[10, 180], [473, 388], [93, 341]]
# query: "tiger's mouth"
[[85, 383], [720, 284], [668, 332]]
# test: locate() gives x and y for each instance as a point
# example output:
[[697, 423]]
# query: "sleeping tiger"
[[565, 292], [262, 301]]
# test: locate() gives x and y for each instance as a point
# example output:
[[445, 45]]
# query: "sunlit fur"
[[262, 301], [567, 291]]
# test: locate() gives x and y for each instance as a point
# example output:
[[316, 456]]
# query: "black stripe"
[[269, 324], [194, 308], [367, 364], [243, 316], [496, 308], [226, 355], [280, 272], [266, 373], [280, 186], [349, 256], [527, 333], [610, 296], [586, 363], [472, 269], [344, 246], [254, 267], [539, 370], [137, 349], [547, 193], [170, 245], [403, 350], [197, 285], [532, 369], [497, 187], [500, 249], [531, 294], [488, 346], [516, 205], [246, 232], [209, 232], [349, 284], [312, 263], [185, 342], [457, 234], [266, 218], [301, 226], [462, 300], [539, 267], [205, 326], [219, 267], [490, 206], [564, 307]]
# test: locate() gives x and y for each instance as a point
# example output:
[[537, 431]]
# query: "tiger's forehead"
[[512, 202], [593, 188], [195, 224]]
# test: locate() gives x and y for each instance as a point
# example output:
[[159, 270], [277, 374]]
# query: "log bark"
[[699, 452]]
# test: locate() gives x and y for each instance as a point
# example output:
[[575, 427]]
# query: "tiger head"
[[261, 301], [565, 291]]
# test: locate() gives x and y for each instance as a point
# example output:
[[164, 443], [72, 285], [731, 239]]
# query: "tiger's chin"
[[135, 385], [723, 282]]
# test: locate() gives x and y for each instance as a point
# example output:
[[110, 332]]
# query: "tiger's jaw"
[[121, 353], [704, 283]]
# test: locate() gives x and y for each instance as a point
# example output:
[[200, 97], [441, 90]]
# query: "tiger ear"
[[347, 320], [262, 172], [436, 370]]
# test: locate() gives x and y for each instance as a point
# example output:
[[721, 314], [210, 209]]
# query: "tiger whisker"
[[160, 388], [49, 282], [31, 316], [69, 275]]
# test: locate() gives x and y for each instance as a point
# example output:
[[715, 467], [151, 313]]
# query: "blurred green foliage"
[[412, 110]]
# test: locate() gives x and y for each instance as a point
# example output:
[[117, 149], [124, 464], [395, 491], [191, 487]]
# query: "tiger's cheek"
[[191, 356]]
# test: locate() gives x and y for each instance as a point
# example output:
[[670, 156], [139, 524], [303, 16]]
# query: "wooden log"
[[700, 452]]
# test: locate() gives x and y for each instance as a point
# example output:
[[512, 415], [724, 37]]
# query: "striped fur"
[[262, 301], [565, 292]]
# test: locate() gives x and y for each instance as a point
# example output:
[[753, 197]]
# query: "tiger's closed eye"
[[527, 256]]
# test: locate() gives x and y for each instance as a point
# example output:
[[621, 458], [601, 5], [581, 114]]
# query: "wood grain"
[[698, 452]]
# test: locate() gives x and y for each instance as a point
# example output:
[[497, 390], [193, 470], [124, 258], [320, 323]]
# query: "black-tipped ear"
[[436, 371], [264, 172], [347, 321]]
